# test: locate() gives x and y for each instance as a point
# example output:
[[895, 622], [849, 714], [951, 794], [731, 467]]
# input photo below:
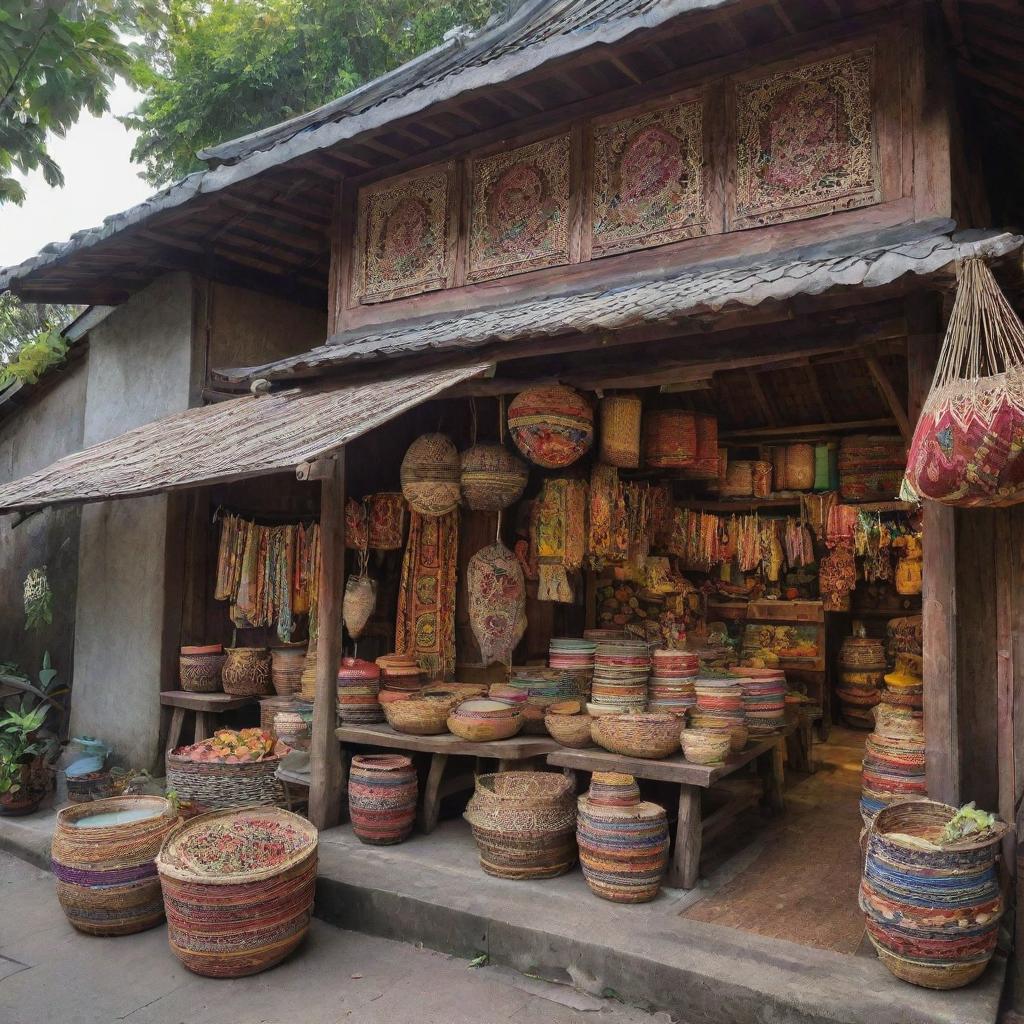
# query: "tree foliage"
[[56, 60], [30, 337], [224, 68]]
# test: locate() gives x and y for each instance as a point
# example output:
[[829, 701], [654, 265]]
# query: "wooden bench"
[[683, 870], [204, 705], [517, 753]]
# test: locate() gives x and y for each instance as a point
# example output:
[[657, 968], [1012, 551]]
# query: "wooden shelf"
[[784, 501]]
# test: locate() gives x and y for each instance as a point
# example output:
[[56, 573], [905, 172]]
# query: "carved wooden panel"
[[648, 179], [520, 210], [405, 235], [805, 141]]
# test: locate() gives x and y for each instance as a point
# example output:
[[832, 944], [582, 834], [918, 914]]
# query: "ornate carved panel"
[[648, 179], [405, 235], [805, 141], [520, 210]]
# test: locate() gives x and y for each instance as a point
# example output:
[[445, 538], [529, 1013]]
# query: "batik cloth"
[[386, 520], [608, 538], [559, 536], [497, 602]]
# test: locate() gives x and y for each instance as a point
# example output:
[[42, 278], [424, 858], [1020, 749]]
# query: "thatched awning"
[[232, 440]]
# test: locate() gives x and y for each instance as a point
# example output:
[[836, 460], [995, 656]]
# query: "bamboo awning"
[[231, 440]]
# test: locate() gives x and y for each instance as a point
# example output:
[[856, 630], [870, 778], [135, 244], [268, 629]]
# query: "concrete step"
[[430, 890]]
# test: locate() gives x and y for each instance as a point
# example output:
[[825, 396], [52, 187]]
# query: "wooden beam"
[[888, 393], [805, 429], [325, 754], [814, 386], [761, 398]]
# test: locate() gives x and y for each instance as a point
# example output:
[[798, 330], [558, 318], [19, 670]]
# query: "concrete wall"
[[39, 432], [140, 365]]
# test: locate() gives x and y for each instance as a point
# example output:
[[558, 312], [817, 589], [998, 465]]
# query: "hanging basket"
[[430, 475], [492, 477], [358, 604], [621, 417], [551, 425], [670, 439]]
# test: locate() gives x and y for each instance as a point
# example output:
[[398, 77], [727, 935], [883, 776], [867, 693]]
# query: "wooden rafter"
[[761, 398], [889, 395], [814, 386]]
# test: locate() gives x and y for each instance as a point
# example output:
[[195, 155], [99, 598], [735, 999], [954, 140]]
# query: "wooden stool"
[[204, 705]]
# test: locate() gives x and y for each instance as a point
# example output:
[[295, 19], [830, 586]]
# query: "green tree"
[[224, 68], [56, 60], [30, 338]]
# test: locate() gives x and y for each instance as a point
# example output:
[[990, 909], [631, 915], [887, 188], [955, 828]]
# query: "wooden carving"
[[805, 141], [519, 210], [405, 235], [648, 179]]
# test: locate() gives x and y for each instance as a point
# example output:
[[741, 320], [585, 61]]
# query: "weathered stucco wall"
[[140, 361], [42, 430]]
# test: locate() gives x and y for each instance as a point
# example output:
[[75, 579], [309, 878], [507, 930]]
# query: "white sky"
[[100, 179]]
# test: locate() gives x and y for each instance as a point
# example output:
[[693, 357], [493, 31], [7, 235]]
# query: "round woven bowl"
[[420, 716], [382, 791], [246, 672], [706, 746], [569, 730], [238, 889], [481, 721], [200, 672], [613, 789], [651, 734], [430, 475], [106, 875], [534, 709], [492, 477]]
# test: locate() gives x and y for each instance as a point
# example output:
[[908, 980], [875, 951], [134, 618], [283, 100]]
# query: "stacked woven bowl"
[[861, 668], [670, 687], [575, 659], [621, 669], [358, 690], [720, 706], [623, 841], [399, 676], [764, 699]]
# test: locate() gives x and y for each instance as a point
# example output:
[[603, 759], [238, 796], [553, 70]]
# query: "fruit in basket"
[[230, 746]]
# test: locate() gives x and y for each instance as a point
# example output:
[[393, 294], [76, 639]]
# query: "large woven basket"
[[651, 734], [798, 468], [212, 785], [238, 889], [382, 791], [246, 672], [739, 479], [621, 417], [492, 477], [420, 716], [430, 475], [286, 665], [552, 425], [524, 824], [859, 652], [106, 874], [199, 671], [670, 439]]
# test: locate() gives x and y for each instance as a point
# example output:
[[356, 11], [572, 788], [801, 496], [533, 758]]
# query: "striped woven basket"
[[861, 652], [106, 875], [430, 475], [214, 784], [382, 791], [670, 439], [621, 417], [238, 889]]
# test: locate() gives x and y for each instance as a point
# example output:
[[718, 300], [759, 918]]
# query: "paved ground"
[[49, 972]]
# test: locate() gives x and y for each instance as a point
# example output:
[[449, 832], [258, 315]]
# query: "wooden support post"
[[430, 809], [1006, 755], [684, 870], [325, 754]]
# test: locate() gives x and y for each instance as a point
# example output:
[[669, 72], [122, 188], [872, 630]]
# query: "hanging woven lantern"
[[670, 439], [430, 475], [358, 603], [551, 425], [620, 430], [497, 602], [492, 477]]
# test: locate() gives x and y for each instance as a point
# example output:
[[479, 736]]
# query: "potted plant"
[[18, 748]]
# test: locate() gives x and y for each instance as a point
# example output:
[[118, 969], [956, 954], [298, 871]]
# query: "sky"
[[100, 179]]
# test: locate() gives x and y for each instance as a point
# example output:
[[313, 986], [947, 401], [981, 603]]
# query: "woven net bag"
[[358, 604], [621, 417], [430, 475], [966, 449], [492, 477]]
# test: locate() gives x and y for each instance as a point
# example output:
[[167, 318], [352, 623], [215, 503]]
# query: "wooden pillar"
[[938, 601], [325, 754]]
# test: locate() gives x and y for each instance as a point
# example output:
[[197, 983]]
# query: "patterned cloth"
[[558, 532], [609, 539], [386, 514], [497, 602], [425, 622]]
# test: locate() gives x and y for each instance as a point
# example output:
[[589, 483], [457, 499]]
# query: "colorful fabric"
[[558, 532], [425, 621], [648, 179], [386, 514], [608, 539], [356, 534], [497, 602]]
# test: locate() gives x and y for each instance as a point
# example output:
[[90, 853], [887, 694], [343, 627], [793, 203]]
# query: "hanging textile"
[[608, 539], [815, 509], [497, 602], [386, 520], [425, 621], [558, 531], [356, 532]]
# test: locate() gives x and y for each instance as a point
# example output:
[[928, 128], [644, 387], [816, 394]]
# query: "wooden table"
[[511, 754], [204, 705], [684, 868]]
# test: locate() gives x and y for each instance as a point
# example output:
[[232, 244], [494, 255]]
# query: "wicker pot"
[[931, 914], [199, 668], [430, 475], [798, 468], [569, 730], [481, 721], [105, 873], [492, 477], [382, 791], [650, 735], [246, 672], [286, 665], [862, 653], [534, 709], [524, 824], [706, 746], [621, 416], [670, 439], [739, 479], [420, 716], [270, 707], [235, 915], [359, 692], [551, 425], [623, 850], [211, 785]]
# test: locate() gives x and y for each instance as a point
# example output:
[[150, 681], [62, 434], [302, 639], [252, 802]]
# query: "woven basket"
[[430, 475], [524, 824], [798, 468], [621, 417], [286, 665], [739, 479], [200, 673], [651, 735], [382, 791], [424, 716], [481, 721], [106, 876], [358, 603], [670, 439], [244, 910], [706, 465], [761, 479], [269, 708], [706, 746], [212, 784], [862, 653], [570, 730], [551, 425], [492, 477], [246, 672]]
